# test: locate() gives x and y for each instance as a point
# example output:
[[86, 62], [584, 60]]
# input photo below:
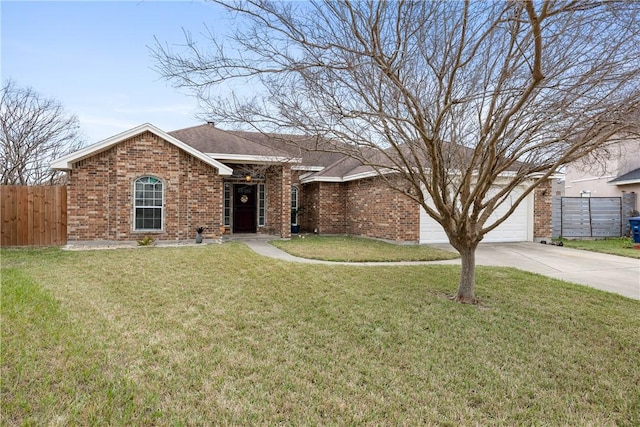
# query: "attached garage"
[[517, 228]]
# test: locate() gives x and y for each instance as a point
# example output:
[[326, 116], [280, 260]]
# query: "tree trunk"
[[466, 291]]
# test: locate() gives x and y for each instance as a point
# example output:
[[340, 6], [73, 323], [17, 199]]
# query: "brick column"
[[285, 202], [542, 217]]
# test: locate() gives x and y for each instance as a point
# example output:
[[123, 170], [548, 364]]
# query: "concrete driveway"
[[606, 272]]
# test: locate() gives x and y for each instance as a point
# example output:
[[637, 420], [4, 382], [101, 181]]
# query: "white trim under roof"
[[250, 158], [321, 179], [373, 174], [307, 168], [555, 175], [347, 178], [66, 162], [363, 175], [625, 182]]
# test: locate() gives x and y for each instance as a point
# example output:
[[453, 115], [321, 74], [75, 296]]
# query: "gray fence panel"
[[606, 220], [593, 217], [575, 217], [587, 217]]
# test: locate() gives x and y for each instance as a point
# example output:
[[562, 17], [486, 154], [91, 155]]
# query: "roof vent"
[[211, 123]]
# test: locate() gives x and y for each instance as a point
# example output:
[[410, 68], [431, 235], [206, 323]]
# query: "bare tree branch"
[[461, 101], [33, 132]]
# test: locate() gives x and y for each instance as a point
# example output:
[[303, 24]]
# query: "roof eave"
[[250, 158], [312, 179], [307, 168], [362, 175], [347, 178], [555, 175], [373, 174], [625, 182]]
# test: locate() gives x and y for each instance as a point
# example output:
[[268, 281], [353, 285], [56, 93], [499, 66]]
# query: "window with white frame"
[[294, 205], [227, 204], [147, 205], [261, 206]]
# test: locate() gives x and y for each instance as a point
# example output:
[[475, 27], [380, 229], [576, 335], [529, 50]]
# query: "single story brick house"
[[148, 182]]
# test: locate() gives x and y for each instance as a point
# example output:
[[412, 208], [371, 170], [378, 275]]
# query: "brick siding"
[[308, 199], [100, 202], [542, 208], [375, 210], [278, 195], [361, 208], [100, 192]]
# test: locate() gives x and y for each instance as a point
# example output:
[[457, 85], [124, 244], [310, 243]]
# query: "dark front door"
[[244, 208]]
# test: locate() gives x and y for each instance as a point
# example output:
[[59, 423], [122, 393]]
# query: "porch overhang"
[[252, 159]]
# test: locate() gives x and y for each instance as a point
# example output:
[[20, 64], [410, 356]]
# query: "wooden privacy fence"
[[33, 216]]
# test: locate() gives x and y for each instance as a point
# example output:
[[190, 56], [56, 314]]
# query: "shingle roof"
[[327, 160], [208, 139], [309, 151], [630, 177], [308, 148]]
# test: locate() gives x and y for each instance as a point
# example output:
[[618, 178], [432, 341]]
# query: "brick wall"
[[100, 192], [309, 201], [323, 207], [542, 211], [360, 208], [278, 194], [331, 208], [375, 210]]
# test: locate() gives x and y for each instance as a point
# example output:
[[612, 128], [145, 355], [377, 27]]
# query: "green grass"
[[358, 249], [51, 370], [622, 246], [219, 335]]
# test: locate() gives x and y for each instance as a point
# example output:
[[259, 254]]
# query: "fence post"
[[628, 206]]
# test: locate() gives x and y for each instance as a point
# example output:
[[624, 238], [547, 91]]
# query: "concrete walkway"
[[610, 273]]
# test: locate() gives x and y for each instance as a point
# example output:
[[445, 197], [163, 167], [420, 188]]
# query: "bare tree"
[[455, 104], [33, 131]]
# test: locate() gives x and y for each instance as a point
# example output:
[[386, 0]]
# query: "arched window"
[[294, 205], [147, 205]]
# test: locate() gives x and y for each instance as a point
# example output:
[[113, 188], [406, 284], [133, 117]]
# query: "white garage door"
[[517, 228]]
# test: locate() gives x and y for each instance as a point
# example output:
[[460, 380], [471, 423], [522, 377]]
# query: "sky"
[[93, 57]]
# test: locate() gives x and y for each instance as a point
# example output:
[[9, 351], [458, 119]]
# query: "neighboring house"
[[149, 182], [607, 175]]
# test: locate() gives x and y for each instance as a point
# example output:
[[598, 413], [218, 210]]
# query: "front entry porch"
[[257, 201]]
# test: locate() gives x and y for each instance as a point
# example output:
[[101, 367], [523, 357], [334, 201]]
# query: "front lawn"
[[358, 249], [622, 246], [217, 335]]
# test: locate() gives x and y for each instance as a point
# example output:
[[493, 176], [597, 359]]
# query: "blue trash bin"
[[634, 223]]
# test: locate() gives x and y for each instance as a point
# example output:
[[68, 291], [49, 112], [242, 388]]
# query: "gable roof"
[[66, 162], [232, 146], [632, 177], [345, 169]]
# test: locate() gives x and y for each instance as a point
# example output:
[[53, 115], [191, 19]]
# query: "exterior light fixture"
[[247, 178]]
